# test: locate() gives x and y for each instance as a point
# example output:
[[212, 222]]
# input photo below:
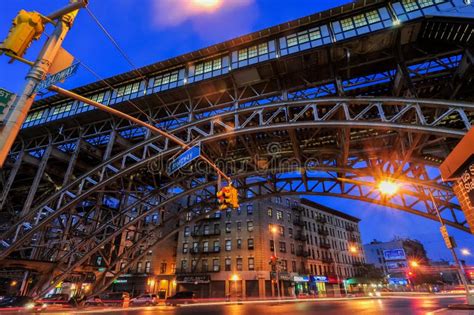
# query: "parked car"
[[115, 298], [145, 299], [183, 297], [94, 301], [21, 304], [55, 299]]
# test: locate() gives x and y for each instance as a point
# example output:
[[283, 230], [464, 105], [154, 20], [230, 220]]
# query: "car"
[[55, 299], [183, 297], [94, 301], [21, 304], [145, 299], [115, 298]]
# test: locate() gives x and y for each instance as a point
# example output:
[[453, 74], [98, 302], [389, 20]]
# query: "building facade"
[[394, 258], [303, 246]]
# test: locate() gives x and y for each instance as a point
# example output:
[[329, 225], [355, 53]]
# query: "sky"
[[153, 30]]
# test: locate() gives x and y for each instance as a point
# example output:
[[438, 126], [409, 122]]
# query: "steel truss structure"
[[329, 121]]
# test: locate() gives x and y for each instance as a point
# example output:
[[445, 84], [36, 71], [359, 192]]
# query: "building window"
[[196, 247], [281, 230], [293, 266], [272, 245], [270, 212], [239, 226], [215, 265], [284, 265], [204, 265], [251, 263], [250, 226], [250, 209], [163, 268], [184, 265], [228, 264], [239, 243], [278, 199], [292, 248], [205, 246], [239, 264], [228, 245], [217, 247], [217, 229], [287, 202], [187, 231], [227, 227], [250, 244], [283, 247], [290, 232], [148, 267], [185, 248], [206, 229], [139, 267], [193, 265], [279, 215]]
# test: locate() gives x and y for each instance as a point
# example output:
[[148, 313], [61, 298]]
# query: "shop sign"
[[394, 254], [193, 279], [318, 279], [301, 279], [284, 276], [120, 281]]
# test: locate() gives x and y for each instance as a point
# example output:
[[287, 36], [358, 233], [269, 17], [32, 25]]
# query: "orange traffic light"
[[27, 26]]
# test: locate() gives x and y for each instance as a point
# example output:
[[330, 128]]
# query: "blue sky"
[[153, 30]]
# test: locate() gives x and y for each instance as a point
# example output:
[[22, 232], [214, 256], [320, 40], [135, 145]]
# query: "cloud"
[[175, 12]]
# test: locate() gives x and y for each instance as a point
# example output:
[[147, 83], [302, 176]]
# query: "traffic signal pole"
[[38, 71]]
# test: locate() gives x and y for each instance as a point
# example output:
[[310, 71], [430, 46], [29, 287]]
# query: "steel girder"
[[254, 185], [67, 230]]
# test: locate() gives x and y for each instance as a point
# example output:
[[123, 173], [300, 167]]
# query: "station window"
[[208, 66], [165, 79], [303, 37], [128, 89], [34, 116], [62, 108]]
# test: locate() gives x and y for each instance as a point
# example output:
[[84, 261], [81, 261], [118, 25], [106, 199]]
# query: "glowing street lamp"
[[274, 229], [465, 252], [414, 263], [353, 249], [234, 277], [388, 187]]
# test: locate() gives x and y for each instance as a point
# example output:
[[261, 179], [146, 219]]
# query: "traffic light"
[[447, 239], [220, 200], [228, 197], [27, 26], [273, 260]]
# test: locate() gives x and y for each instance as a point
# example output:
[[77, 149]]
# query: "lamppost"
[[390, 187], [274, 231]]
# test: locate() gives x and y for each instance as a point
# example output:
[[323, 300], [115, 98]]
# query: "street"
[[386, 305]]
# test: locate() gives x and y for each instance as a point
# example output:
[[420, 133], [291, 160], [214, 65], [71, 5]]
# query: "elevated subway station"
[[325, 105]]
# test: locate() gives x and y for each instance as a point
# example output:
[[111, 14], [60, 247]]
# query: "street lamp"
[[465, 252], [353, 249], [274, 231], [390, 188], [414, 264]]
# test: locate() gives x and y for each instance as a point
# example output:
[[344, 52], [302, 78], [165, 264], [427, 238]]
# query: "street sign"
[[57, 77], [184, 159], [5, 96]]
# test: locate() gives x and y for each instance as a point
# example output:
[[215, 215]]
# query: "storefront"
[[199, 284], [301, 285], [317, 285]]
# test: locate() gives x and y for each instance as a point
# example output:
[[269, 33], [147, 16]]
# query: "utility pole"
[[15, 118]]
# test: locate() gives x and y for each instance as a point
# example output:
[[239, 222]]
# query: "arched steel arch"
[[261, 186], [60, 228]]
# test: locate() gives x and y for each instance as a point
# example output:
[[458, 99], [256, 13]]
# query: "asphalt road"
[[392, 306]]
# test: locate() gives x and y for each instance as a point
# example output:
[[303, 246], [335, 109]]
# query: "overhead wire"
[[142, 76]]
